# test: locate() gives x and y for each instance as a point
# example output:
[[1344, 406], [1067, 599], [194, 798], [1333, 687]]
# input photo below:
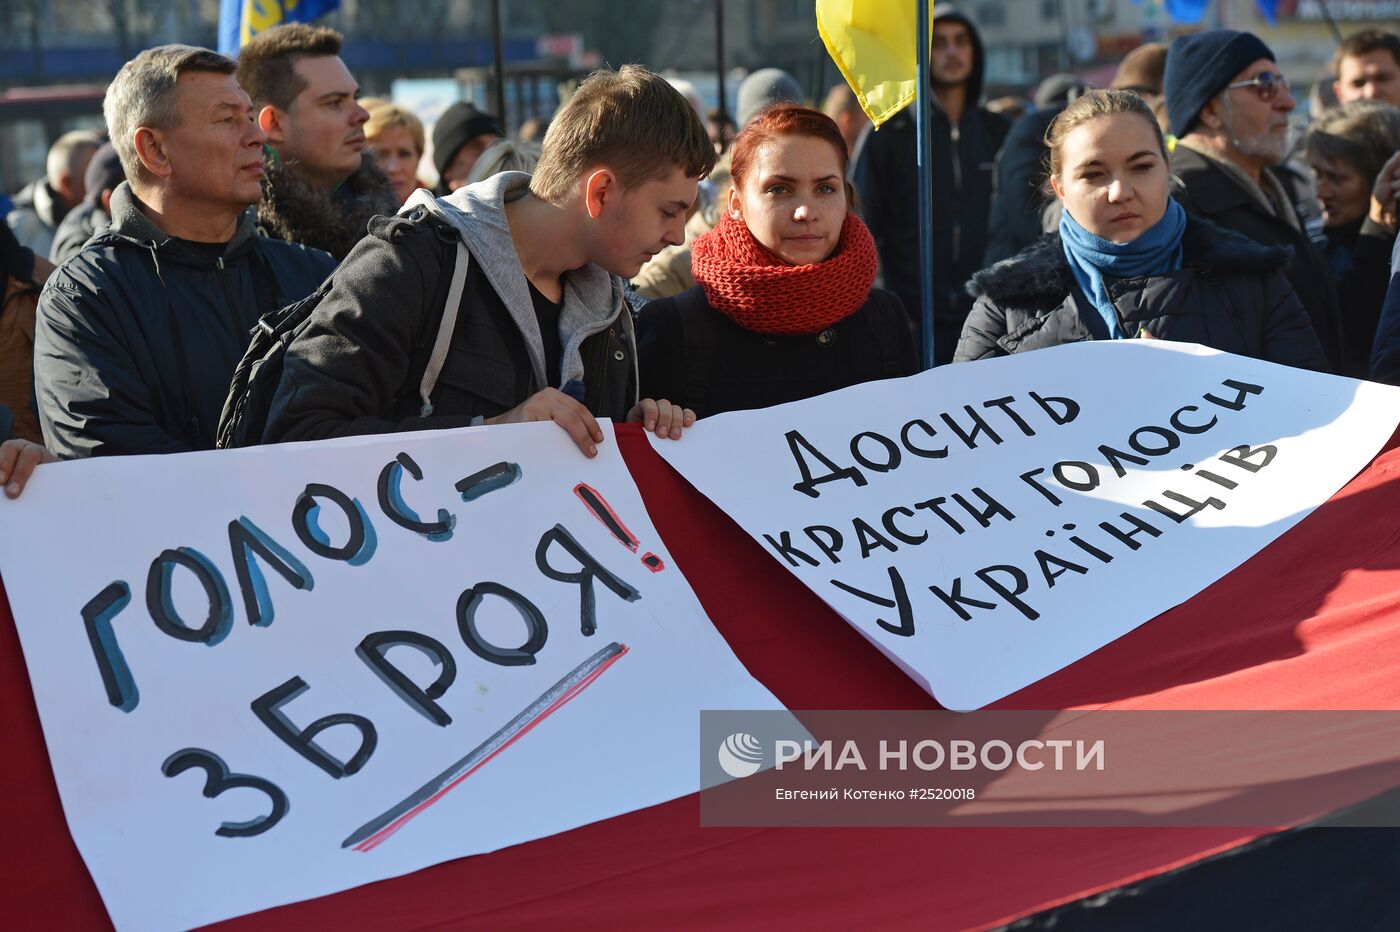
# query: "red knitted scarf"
[[761, 292]]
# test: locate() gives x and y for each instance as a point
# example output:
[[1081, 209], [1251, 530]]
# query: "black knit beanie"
[[1198, 68], [459, 125]]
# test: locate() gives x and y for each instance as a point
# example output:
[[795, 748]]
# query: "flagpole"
[[922, 118], [497, 42], [719, 74], [1331, 23]]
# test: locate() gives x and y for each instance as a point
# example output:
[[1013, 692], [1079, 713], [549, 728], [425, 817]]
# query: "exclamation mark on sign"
[[604, 513]]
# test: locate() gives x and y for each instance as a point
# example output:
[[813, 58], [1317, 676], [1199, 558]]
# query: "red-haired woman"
[[784, 307]]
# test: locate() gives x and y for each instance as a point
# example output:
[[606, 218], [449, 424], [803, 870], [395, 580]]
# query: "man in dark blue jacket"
[[966, 137], [1385, 356], [138, 334]]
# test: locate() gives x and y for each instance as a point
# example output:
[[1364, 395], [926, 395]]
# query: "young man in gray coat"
[[542, 331]]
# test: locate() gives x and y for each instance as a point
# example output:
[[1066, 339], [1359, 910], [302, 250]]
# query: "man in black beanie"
[[462, 133], [1228, 105]]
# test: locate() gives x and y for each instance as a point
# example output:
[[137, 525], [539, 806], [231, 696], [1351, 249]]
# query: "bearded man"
[[321, 188], [1228, 105]]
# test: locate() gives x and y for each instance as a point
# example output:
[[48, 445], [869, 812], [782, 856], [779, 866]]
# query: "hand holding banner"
[[270, 674], [987, 524]]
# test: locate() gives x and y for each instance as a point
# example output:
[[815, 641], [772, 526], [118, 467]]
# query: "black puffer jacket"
[[1230, 294], [138, 334]]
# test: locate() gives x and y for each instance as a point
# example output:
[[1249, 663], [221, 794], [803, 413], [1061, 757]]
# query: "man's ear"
[[1056, 187], [151, 150], [65, 187], [600, 189], [1211, 114], [273, 123], [736, 205], [1337, 89]]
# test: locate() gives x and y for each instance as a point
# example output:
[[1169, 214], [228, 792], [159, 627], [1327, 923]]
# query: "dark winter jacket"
[[961, 192], [138, 334], [82, 223], [694, 355], [297, 211], [1230, 294], [1019, 200], [1208, 191], [1385, 355], [1359, 257], [37, 212], [357, 366]]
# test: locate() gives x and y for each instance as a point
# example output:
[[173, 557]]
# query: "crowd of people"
[[649, 262]]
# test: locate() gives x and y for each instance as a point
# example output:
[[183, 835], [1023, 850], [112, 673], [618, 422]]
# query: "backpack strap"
[[698, 346], [445, 328]]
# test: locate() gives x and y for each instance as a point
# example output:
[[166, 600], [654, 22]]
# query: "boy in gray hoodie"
[[542, 331]]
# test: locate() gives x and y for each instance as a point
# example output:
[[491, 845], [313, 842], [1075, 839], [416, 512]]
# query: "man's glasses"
[[1267, 83]]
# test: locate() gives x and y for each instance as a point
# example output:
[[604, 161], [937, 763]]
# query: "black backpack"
[[250, 394]]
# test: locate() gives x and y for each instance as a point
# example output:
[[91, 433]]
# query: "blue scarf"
[[1155, 252]]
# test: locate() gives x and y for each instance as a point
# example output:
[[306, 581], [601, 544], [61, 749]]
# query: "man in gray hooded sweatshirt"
[[542, 330]]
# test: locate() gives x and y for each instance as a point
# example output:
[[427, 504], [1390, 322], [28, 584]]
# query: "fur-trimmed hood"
[[1040, 275], [295, 210]]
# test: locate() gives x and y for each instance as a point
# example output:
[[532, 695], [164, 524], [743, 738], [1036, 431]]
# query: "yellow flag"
[[872, 42]]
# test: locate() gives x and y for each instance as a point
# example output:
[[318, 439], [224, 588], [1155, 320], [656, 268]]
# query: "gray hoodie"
[[593, 299]]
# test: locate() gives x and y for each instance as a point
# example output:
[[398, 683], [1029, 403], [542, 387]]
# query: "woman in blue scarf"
[[1127, 261]]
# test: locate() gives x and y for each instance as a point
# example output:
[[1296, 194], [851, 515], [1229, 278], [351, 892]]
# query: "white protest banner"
[[267, 675], [987, 524]]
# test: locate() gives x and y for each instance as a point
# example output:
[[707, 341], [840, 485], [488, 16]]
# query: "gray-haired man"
[[1228, 104], [139, 333]]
